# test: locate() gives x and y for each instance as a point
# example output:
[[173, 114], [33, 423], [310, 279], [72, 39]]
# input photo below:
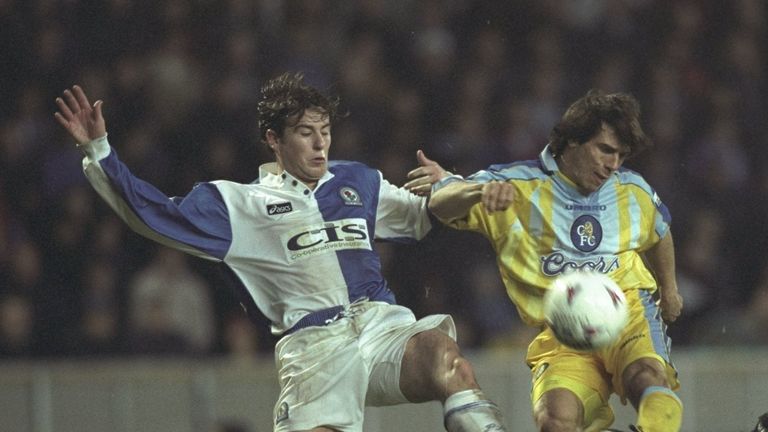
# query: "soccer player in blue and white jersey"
[[299, 239], [575, 207]]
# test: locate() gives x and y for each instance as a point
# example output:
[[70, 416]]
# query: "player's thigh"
[[323, 380], [643, 342], [556, 367], [387, 343], [385, 333]]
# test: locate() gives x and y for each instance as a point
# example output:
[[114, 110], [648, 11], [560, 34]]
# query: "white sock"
[[470, 411]]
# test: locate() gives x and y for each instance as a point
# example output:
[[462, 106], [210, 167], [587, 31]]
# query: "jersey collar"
[[549, 165], [268, 176], [548, 161]]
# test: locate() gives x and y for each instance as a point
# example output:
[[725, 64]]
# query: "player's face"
[[302, 150], [589, 165]]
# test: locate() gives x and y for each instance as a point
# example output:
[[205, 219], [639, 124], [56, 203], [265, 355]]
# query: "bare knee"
[[640, 375], [451, 372], [558, 410], [459, 370], [434, 368]]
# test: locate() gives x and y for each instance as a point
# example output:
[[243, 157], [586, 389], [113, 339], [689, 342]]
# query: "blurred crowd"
[[470, 82]]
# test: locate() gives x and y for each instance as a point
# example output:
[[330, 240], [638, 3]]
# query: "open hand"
[[83, 121], [425, 175]]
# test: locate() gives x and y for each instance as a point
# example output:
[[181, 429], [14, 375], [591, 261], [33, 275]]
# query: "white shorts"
[[329, 374]]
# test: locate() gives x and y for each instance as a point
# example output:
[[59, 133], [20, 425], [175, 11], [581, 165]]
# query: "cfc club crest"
[[350, 196], [586, 233]]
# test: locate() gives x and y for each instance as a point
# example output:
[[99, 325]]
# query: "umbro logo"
[[279, 208]]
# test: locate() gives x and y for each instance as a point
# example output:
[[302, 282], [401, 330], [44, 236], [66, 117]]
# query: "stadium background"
[[470, 82]]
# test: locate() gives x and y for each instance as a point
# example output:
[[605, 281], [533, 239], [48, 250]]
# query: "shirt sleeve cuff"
[[96, 149], [446, 181]]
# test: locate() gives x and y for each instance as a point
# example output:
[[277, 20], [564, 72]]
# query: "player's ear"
[[272, 138]]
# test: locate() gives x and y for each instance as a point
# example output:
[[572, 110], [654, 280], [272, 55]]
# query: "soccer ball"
[[585, 310]]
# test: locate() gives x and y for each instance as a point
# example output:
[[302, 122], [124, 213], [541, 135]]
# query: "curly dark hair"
[[584, 118], [288, 96]]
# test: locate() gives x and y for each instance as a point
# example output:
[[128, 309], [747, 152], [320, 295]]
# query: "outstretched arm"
[[197, 224], [454, 200], [661, 259], [83, 121]]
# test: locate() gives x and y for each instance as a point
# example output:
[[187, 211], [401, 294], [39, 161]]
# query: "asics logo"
[[280, 208]]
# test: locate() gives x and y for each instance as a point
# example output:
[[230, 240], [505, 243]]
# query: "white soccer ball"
[[586, 310]]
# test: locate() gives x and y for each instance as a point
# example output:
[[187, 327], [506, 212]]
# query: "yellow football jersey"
[[551, 228]]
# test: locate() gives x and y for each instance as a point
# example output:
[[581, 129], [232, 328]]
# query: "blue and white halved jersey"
[[295, 250]]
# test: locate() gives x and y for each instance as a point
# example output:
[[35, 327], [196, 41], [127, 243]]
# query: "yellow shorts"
[[594, 375]]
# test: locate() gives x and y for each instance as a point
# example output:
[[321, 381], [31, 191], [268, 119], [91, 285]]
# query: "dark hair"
[[585, 117], [287, 96]]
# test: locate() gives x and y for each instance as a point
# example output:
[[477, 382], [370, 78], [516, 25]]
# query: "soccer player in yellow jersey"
[[575, 207]]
